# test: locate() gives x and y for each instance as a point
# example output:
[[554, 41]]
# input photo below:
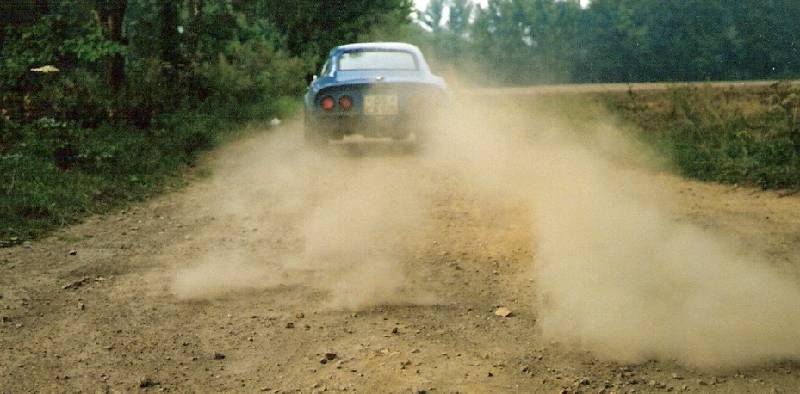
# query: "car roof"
[[387, 46], [392, 46]]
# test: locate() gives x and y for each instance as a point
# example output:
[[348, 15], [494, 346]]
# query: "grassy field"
[[743, 135], [58, 174]]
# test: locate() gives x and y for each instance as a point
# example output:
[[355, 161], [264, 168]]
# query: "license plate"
[[384, 104]]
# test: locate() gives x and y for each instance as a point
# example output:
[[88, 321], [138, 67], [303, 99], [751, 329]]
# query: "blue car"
[[381, 90]]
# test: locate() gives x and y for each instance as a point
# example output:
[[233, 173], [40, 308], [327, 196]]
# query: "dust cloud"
[[332, 221], [618, 275], [615, 271]]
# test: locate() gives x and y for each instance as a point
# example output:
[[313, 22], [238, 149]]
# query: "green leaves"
[[91, 46]]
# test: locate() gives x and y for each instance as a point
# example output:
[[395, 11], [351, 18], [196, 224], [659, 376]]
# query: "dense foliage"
[[102, 101], [522, 41]]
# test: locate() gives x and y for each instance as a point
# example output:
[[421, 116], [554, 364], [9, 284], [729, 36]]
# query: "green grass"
[[748, 137], [55, 174]]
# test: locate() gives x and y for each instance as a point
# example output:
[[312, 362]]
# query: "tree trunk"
[[41, 7], [117, 63], [110, 14], [195, 28], [169, 32]]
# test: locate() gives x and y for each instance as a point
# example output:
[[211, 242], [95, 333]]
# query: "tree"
[[312, 28], [169, 33], [110, 15], [460, 12], [614, 43], [525, 41], [16, 13], [433, 15], [767, 38]]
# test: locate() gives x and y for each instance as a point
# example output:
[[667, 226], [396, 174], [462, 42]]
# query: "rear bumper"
[[339, 125]]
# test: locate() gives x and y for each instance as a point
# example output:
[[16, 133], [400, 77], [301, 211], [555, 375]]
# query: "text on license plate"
[[384, 104]]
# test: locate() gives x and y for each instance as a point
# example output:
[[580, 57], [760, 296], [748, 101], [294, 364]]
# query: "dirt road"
[[368, 268]]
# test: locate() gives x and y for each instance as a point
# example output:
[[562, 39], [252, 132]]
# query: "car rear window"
[[377, 60]]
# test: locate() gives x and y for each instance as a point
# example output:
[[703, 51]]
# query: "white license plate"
[[383, 104]]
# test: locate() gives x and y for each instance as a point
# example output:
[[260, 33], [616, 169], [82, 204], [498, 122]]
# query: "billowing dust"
[[615, 271], [299, 216]]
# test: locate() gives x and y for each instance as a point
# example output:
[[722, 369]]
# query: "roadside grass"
[[736, 136], [59, 173], [747, 136]]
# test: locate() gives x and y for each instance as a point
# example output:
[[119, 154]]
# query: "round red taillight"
[[327, 103], [345, 102]]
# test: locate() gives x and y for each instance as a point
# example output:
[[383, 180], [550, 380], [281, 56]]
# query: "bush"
[[59, 172], [70, 146], [248, 79]]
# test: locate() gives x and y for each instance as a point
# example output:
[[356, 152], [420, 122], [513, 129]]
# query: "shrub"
[[248, 79]]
